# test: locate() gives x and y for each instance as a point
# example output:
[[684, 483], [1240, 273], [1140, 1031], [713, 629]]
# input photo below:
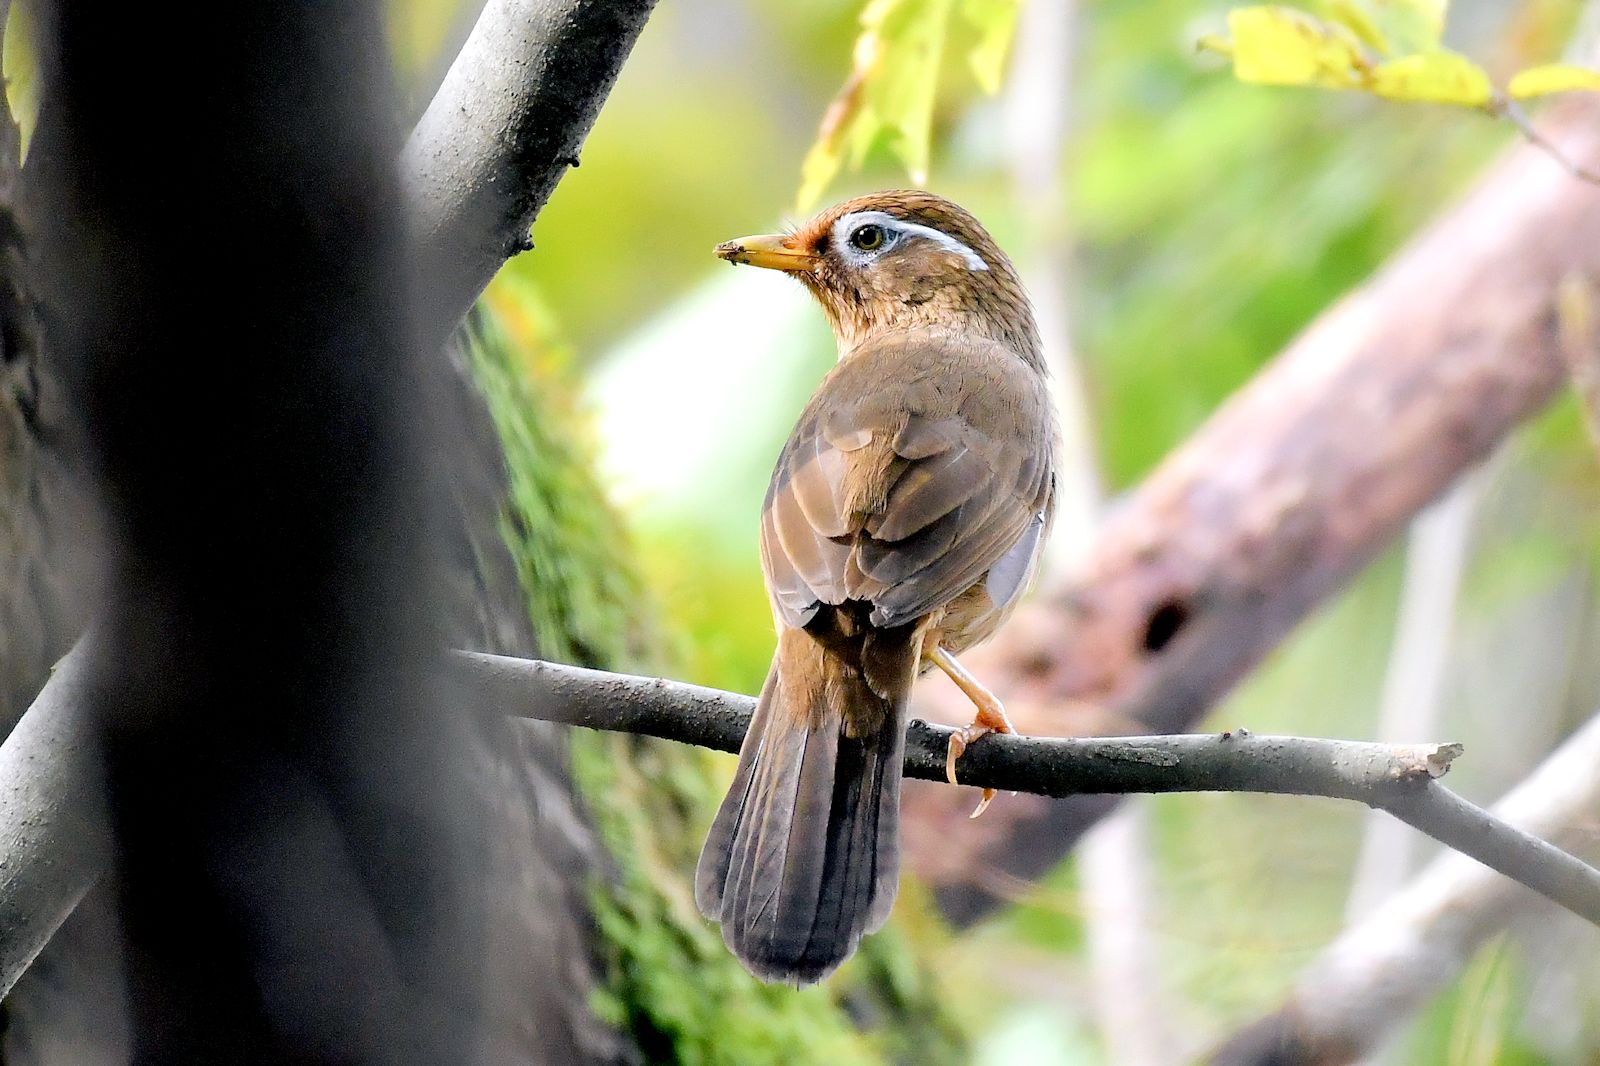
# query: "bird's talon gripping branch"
[[958, 745], [991, 717]]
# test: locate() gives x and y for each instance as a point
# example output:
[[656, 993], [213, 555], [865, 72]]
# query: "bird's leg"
[[991, 717]]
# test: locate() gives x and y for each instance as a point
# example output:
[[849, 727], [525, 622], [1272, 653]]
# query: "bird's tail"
[[804, 855]]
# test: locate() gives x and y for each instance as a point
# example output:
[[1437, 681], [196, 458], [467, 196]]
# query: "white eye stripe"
[[895, 227]]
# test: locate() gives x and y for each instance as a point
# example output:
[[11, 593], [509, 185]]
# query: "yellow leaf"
[[1552, 78], [1435, 77], [1281, 46]]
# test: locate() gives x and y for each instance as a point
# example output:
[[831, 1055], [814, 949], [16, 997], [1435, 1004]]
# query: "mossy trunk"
[[668, 981]]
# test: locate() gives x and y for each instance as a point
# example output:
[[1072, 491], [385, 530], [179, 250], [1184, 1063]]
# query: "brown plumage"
[[903, 522]]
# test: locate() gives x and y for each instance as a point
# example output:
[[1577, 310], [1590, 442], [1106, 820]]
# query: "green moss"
[[670, 982], [569, 546]]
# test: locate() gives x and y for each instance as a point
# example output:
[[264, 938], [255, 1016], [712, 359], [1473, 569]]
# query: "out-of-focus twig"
[[1113, 863], [49, 797]]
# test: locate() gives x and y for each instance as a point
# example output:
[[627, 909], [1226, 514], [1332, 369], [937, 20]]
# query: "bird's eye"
[[868, 238]]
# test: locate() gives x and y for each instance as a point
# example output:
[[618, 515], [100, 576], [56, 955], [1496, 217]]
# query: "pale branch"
[[1382, 970], [509, 119], [1397, 778], [52, 825]]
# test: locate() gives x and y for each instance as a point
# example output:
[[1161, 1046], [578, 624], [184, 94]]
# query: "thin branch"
[[1395, 778], [1381, 971], [52, 844], [510, 118], [1512, 113]]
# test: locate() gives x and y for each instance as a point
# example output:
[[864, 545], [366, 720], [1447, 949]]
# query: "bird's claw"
[[958, 747], [959, 741]]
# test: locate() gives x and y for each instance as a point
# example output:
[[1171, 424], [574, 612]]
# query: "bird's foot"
[[991, 719], [991, 716]]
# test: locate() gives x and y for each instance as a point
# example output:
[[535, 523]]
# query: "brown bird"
[[903, 523]]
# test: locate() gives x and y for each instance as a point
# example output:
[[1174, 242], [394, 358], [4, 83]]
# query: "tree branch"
[[510, 118], [66, 854], [1397, 778], [1382, 970]]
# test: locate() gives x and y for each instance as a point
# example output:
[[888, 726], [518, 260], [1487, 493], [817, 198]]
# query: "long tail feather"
[[804, 855]]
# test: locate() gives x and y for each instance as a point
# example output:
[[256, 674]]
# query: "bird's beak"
[[773, 251]]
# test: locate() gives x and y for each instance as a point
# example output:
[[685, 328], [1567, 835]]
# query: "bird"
[[903, 522]]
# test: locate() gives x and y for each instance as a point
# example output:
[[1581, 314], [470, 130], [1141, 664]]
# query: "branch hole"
[[1165, 622]]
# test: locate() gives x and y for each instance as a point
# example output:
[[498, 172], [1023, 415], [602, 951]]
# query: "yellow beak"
[[773, 251]]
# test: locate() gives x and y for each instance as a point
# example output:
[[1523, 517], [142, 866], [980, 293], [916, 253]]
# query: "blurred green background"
[[1203, 223]]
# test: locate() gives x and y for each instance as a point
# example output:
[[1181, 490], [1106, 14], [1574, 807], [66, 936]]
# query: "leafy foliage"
[[1389, 48], [888, 97]]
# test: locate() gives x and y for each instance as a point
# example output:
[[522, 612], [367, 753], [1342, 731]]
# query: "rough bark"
[[1290, 489]]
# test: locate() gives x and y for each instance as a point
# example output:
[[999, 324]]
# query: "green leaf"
[[900, 92], [887, 101], [1440, 77], [20, 69], [1275, 45], [996, 23], [1552, 78]]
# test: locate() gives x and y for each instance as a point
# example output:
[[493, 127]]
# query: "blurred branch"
[[1579, 324], [510, 118], [52, 826], [1379, 973], [1293, 486], [1130, 1012]]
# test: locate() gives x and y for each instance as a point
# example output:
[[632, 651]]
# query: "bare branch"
[[508, 121], [1513, 113], [1395, 778], [1380, 972]]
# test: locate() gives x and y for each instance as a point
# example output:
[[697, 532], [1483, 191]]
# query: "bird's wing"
[[922, 463]]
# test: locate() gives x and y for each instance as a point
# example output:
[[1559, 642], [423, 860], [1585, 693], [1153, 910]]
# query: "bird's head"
[[900, 260]]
